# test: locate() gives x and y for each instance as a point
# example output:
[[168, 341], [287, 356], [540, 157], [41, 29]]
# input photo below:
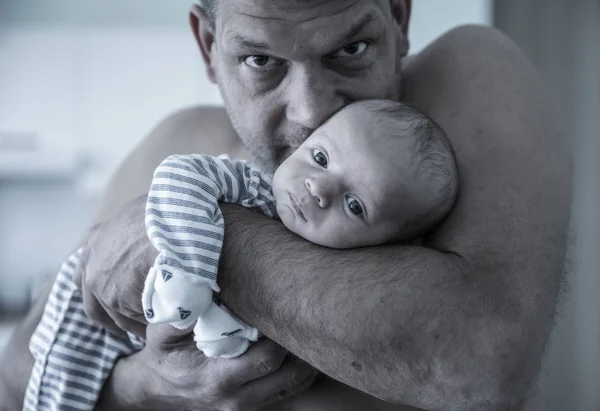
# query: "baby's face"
[[341, 190]]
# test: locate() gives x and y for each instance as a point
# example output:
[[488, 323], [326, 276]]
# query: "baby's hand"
[[174, 296], [218, 333]]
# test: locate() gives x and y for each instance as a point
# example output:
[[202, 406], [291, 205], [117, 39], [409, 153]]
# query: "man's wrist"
[[125, 390]]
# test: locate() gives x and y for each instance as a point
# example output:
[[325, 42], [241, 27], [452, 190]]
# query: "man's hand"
[[116, 256], [115, 260], [171, 374]]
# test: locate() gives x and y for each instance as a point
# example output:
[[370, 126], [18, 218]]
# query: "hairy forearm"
[[402, 323]]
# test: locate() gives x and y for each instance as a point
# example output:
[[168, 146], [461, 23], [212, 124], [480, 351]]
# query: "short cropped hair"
[[210, 10]]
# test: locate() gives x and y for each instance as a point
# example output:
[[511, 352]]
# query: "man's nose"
[[321, 188], [312, 98]]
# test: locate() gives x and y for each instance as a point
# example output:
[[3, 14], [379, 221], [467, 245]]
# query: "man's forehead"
[[292, 24], [291, 10], [315, 33]]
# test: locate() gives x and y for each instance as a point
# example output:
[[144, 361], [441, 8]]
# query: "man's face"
[[347, 185], [283, 67]]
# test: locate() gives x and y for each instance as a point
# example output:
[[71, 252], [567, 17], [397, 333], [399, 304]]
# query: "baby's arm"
[[185, 224]]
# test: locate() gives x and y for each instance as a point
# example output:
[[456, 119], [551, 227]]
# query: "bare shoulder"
[[474, 35], [510, 223], [462, 39], [196, 129], [468, 56], [513, 207]]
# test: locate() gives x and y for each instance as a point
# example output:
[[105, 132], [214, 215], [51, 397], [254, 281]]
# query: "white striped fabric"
[[73, 356], [185, 224]]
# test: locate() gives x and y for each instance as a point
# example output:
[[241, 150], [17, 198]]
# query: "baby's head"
[[377, 171]]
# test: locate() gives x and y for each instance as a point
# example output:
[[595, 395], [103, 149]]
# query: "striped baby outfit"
[[73, 356], [185, 224]]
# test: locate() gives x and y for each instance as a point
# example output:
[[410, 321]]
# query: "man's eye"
[[353, 49], [260, 61], [319, 158], [354, 206]]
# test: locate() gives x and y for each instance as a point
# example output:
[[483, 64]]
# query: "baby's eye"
[[319, 158], [354, 206]]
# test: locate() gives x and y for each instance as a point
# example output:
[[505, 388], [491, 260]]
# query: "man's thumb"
[[165, 335]]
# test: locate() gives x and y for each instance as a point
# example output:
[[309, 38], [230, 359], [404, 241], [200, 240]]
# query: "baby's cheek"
[[346, 237], [331, 239], [307, 232], [288, 219]]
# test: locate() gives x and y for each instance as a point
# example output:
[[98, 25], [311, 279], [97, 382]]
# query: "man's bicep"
[[514, 199], [510, 221]]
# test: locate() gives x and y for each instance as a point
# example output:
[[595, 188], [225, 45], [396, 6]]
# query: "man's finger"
[[288, 393], [164, 336], [292, 378], [114, 322], [129, 324], [96, 312], [262, 358]]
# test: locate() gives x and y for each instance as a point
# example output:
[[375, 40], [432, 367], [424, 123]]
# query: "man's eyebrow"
[[249, 43], [362, 23]]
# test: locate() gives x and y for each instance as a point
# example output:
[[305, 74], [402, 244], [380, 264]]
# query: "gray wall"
[[562, 38], [95, 13]]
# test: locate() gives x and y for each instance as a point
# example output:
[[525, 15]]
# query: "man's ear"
[[205, 37], [401, 15]]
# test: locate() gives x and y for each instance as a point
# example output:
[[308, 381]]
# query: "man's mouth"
[[297, 207]]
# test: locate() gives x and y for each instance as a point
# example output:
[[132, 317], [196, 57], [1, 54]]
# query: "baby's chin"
[[287, 218], [336, 241]]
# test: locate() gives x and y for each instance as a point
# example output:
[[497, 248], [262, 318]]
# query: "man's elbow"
[[490, 370], [501, 373]]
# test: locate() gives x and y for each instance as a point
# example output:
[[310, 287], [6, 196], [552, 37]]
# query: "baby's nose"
[[318, 189]]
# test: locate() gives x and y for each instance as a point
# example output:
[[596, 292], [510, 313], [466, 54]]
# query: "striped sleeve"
[[185, 223], [73, 356]]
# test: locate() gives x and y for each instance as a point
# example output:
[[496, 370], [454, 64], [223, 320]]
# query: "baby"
[[377, 171]]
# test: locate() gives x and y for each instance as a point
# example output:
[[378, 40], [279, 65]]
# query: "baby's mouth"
[[296, 206]]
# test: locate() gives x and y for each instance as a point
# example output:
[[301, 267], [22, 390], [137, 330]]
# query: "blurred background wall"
[[562, 39], [82, 82]]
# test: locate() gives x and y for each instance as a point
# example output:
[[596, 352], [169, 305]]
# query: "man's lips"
[[296, 206]]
